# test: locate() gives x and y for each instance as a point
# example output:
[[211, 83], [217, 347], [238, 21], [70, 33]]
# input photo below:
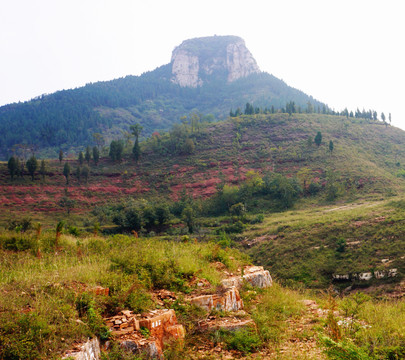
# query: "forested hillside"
[[68, 119]]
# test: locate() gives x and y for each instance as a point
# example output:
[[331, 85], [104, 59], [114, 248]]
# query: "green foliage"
[[87, 156], [331, 146], [66, 202], [344, 350], [43, 169], [285, 191], [245, 341], [278, 304], [188, 216], [66, 172], [116, 150], [145, 332], [12, 166], [32, 165], [136, 151], [238, 210], [135, 215], [318, 138], [96, 155], [86, 307], [22, 225], [341, 245], [85, 171], [25, 336], [20, 242], [81, 158]]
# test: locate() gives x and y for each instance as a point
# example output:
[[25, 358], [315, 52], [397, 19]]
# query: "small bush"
[[20, 225], [19, 242], [258, 219], [244, 340]]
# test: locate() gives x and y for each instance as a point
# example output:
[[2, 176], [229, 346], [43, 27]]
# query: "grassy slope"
[[365, 161], [38, 291], [310, 245], [44, 293]]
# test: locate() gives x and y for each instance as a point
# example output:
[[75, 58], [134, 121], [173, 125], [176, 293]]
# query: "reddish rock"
[[163, 326], [99, 290]]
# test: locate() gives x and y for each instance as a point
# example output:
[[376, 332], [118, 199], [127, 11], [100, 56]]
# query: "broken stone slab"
[[229, 300], [255, 275], [230, 324], [88, 351]]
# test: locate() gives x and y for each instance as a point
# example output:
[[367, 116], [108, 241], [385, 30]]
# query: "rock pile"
[[228, 299], [147, 332]]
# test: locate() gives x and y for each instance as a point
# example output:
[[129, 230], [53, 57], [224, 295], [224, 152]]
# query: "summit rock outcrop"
[[200, 60]]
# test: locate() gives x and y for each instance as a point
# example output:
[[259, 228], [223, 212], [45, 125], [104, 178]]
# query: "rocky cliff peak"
[[199, 60]]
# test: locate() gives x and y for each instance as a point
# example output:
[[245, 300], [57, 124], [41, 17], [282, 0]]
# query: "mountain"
[[210, 75]]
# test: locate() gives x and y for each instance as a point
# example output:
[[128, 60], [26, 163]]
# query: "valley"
[[205, 210]]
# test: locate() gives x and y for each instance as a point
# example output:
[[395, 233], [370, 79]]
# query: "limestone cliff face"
[[199, 60]]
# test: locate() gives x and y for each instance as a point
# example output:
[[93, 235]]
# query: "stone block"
[[87, 351], [229, 300], [255, 275]]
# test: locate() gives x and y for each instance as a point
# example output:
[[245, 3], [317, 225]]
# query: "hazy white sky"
[[342, 52]]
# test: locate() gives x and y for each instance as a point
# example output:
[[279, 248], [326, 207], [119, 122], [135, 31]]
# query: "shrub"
[[20, 225], [244, 340], [85, 306], [23, 337], [19, 242], [258, 219]]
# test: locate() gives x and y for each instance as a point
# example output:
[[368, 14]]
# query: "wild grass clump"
[[277, 304], [368, 329], [245, 341]]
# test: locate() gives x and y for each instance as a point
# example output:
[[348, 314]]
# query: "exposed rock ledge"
[[195, 60]]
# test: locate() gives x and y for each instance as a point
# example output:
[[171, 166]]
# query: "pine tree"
[[85, 173], [136, 131], [42, 169], [66, 172], [81, 158], [60, 156], [136, 151], [96, 155], [32, 165], [12, 166], [318, 139], [331, 146], [87, 156], [78, 173]]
